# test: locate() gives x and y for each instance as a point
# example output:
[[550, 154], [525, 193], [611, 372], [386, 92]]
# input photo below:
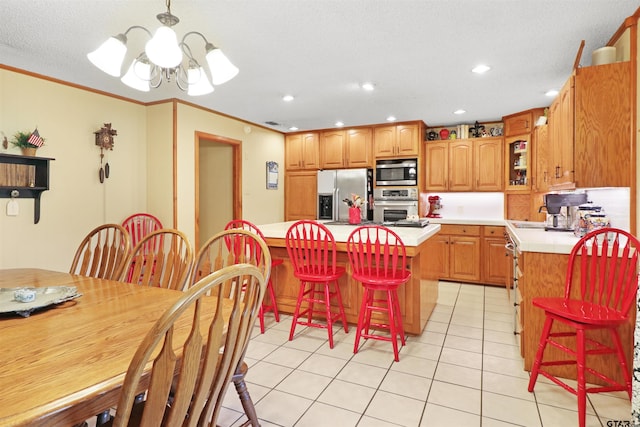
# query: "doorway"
[[218, 184]]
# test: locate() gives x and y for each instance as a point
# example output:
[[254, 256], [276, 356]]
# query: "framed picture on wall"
[[272, 176]]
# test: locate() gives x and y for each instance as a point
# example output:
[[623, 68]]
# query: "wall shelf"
[[24, 177]]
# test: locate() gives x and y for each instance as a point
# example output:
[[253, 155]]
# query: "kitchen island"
[[417, 298], [542, 259]]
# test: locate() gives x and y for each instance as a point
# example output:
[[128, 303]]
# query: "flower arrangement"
[[355, 201]]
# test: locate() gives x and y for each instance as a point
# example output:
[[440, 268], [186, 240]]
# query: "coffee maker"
[[434, 206], [561, 210]]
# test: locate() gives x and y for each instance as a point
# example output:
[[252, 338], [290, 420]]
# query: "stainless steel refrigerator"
[[336, 185]]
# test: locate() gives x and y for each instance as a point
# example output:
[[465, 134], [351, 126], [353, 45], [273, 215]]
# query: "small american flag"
[[36, 139]]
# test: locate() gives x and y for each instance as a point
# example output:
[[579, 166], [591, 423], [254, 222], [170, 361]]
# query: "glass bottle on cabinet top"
[[517, 163]]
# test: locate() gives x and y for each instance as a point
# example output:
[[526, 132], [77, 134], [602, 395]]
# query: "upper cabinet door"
[[437, 168], [488, 163], [384, 141], [358, 148], [332, 149], [302, 151], [408, 139], [461, 165]]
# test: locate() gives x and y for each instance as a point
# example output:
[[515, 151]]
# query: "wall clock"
[[104, 140]]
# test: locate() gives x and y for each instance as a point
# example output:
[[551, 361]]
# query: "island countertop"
[[417, 297], [411, 236]]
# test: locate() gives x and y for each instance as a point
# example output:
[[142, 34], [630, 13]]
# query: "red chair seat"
[[581, 311]]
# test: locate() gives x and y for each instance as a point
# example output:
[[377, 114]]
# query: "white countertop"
[[538, 240], [468, 221], [410, 236]]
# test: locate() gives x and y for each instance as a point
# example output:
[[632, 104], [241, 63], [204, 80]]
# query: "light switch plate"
[[13, 208]]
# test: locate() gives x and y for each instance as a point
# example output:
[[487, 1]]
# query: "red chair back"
[[608, 266], [377, 252], [311, 248], [139, 225]]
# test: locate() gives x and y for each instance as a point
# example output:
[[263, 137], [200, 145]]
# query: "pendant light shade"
[[163, 49], [198, 82], [109, 56], [222, 70], [138, 76]]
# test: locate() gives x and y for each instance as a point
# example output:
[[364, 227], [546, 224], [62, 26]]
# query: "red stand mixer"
[[435, 204]]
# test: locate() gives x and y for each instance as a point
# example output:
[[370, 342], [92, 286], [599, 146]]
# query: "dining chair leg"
[[622, 360], [243, 394], [393, 325], [361, 315], [581, 360]]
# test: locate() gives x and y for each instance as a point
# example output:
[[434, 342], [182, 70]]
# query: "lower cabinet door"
[[464, 258]]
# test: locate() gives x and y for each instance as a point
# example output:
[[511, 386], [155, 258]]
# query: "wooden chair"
[[102, 253], [139, 225], [272, 305], [312, 251], [163, 258], [606, 263], [229, 247], [378, 260], [203, 373]]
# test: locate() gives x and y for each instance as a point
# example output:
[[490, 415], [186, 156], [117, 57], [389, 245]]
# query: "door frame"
[[236, 146]]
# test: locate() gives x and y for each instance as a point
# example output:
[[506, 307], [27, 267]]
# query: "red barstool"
[[378, 261], [270, 305], [312, 250], [605, 291]]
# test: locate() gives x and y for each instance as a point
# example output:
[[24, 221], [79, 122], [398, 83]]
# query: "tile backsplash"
[[615, 201]]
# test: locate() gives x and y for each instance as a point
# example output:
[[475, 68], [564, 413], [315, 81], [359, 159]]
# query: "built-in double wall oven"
[[397, 172]]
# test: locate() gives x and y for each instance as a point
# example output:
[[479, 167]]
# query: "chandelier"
[[162, 60]]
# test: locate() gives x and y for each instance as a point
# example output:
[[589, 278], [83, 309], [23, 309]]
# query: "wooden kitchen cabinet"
[[561, 127], [487, 164], [521, 122], [300, 195], [302, 151], [398, 140], [603, 151], [517, 157], [495, 263], [541, 151], [464, 165], [469, 253], [463, 257], [350, 148]]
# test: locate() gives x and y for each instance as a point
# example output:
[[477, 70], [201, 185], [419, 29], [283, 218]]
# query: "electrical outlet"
[[13, 208]]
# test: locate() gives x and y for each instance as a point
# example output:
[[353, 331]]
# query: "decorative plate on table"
[[44, 297]]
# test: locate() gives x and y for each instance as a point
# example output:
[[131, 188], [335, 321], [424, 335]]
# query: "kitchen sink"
[[528, 224]]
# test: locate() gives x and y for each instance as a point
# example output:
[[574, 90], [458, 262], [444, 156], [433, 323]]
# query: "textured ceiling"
[[418, 53]]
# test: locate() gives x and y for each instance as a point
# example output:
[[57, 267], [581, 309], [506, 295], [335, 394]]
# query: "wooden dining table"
[[66, 363]]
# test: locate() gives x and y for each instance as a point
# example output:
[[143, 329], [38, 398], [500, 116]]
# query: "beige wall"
[[141, 166]]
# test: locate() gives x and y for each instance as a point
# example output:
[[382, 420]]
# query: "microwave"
[[397, 172]]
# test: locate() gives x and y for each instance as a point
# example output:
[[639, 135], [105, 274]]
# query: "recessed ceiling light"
[[480, 69], [287, 98], [293, 128], [368, 86], [459, 111], [391, 119], [551, 92], [339, 124]]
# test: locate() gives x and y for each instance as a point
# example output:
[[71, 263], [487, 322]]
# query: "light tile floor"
[[464, 370]]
